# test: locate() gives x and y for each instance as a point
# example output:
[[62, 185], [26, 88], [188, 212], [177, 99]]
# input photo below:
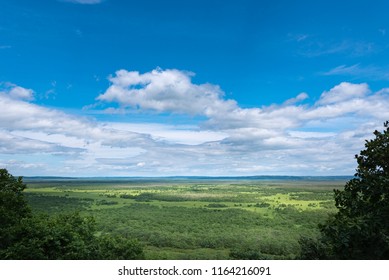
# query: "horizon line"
[[188, 176]]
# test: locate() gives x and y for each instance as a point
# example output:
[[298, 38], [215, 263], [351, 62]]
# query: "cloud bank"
[[297, 137]]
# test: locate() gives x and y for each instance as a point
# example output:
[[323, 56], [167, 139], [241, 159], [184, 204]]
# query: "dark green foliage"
[[312, 249], [360, 228], [13, 206], [127, 196], [65, 236], [311, 196], [106, 202], [185, 228], [262, 205], [179, 227], [270, 249], [54, 204], [144, 197], [118, 248], [216, 205], [248, 254], [61, 237]]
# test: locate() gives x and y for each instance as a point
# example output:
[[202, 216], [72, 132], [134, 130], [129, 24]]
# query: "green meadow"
[[196, 218]]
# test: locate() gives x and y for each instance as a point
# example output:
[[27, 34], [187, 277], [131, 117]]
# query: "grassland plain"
[[196, 218]]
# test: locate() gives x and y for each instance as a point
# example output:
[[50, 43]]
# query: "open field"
[[196, 218]]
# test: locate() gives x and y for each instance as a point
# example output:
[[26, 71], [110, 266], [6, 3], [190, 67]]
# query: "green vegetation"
[[195, 219], [27, 235], [360, 228]]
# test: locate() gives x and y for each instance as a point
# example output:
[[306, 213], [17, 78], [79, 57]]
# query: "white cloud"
[[343, 92], [15, 144], [19, 115], [294, 137], [21, 93], [359, 71], [165, 91], [22, 165], [276, 129], [74, 141], [172, 91], [88, 2], [344, 70], [17, 92], [299, 98], [180, 134]]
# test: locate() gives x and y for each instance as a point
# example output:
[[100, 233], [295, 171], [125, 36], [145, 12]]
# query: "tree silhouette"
[[360, 228], [13, 206]]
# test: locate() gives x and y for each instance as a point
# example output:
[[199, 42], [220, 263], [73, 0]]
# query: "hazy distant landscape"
[[196, 217]]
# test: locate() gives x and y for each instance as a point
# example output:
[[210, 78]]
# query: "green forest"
[[203, 220]]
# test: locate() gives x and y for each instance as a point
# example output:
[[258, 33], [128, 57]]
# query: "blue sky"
[[157, 88]]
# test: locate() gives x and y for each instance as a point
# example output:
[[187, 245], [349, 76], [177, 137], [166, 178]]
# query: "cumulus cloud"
[[165, 91], [289, 132], [343, 92], [29, 129], [299, 98], [295, 137], [19, 115], [17, 92], [172, 91]]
